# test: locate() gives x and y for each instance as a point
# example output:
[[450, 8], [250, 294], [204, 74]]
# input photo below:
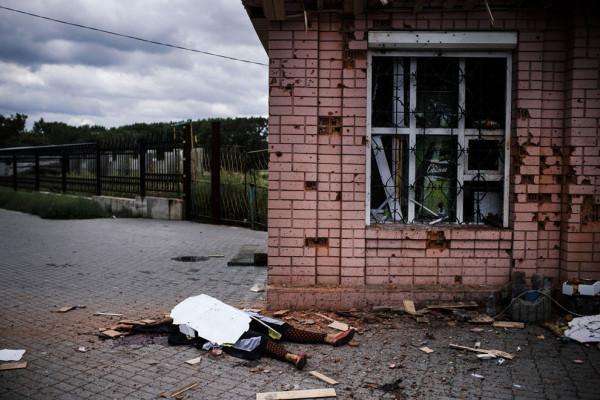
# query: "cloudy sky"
[[62, 73]]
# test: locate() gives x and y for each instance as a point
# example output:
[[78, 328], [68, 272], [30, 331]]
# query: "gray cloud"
[[63, 73]]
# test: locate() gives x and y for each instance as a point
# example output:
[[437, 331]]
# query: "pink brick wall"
[[321, 73]]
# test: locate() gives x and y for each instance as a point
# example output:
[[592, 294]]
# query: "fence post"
[[36, 185], [15, 170], [98, 171], [64, 168], [187, 170], [142, 160], [215, 172]]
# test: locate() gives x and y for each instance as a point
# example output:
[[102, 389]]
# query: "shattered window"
[[438, 127]]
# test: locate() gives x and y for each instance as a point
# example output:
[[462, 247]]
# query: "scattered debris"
[[395, 386], [554, 328], [409, 307], [280, 313], [353, 343], [193, 361], [495, 353], [426, 349], [111, 334], [476, 330], [216, 352], [474, 375], [584, 329], [340, 326], [176, 393], [297, 394], [516, 386], [13, 365], [257, 288], [11, 355], [509, 324], [67, 309], [482, 319], [578, 361], [450, 306], [107, 314], [216, 255], [190, 258], [540, 337], [81, 349], [485, 356], [477, 345], [501, 361], [391, 365], [324, 378]]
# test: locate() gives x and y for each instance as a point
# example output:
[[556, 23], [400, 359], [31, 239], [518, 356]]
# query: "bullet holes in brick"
[[437, 240], [330, 125], [310, 185], [316, 242]]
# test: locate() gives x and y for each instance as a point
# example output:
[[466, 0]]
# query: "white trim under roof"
[[449, 40]]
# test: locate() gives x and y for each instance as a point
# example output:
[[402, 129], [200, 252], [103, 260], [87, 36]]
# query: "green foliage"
[[248, 132], [51, 206]]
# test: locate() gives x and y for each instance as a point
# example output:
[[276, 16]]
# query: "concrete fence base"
[[144, 207]]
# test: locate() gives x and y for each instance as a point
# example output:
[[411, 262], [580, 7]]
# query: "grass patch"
[[50, 205]]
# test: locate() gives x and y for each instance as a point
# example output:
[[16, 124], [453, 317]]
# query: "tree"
[[12, 129]]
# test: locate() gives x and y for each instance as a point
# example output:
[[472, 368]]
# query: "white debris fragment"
[[212, 319], [11, 355], [474, 375], [584, 329]]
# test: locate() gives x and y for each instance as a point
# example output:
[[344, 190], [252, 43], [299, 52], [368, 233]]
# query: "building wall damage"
[[327, 250]]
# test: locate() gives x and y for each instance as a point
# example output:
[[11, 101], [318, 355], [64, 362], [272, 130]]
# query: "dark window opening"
[[485, 98], [483, 202], [484, 155], [390, 92], [437, 93]]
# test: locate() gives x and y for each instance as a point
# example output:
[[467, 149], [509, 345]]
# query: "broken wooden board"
[[324, 378], [193, 361], [509, 324], [111, 333], [497, 353], [177, 392], [426, 349], [13, 365], [108, 314], [409, 307], [450, 306], [340, 326], [297, 394]]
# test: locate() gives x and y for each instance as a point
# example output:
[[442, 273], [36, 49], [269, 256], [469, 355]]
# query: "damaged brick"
[[316, 242], [330, 125], [310, 185], [437, 240]]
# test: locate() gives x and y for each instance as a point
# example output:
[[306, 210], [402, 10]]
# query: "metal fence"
[[221, 184], [120, 168]]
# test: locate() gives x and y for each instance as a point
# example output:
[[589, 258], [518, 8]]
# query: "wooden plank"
[[111, 333], [498, 353], [409, 307], [450, 306], [297, 394], [193, 361], [13, 365], [340, 326], [324, 378], [509, 324], [426, 349]]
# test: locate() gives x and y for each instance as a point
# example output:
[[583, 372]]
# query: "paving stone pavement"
[[124, 266]]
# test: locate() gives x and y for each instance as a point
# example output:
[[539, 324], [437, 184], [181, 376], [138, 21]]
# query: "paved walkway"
[[124, 266]]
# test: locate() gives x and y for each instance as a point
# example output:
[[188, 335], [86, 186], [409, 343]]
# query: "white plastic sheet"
[[11, 355], [584, 329], [212, 319]]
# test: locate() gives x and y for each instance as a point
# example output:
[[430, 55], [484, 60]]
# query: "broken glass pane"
[[485, 97], [435, 183], [389, 178], [390, 92], [437, 93], [483, 202]]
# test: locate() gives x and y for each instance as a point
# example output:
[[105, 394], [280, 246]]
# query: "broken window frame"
[[463, 135]]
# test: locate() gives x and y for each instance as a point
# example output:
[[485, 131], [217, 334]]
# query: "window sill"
[[437, 227]]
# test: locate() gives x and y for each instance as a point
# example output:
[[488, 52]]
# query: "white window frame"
[[462, 133]]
